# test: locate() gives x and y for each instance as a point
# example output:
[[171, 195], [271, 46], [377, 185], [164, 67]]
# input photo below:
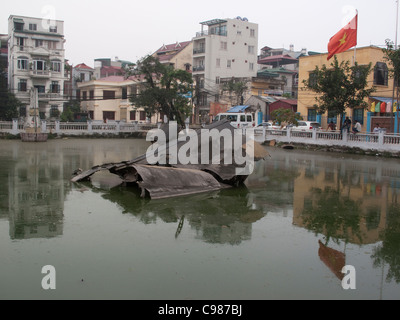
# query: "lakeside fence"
[[78, 128], [381, 141]]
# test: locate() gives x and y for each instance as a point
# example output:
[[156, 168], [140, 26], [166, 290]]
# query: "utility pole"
[[394, 78]]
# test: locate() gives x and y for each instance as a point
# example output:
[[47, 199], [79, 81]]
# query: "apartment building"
[[222, 50], [36, 59], [4, 50]]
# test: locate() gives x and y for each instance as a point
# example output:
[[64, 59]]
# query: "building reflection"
[[353, 201], [36, 193]]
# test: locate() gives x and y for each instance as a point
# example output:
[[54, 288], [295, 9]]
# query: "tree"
[[285, 115], [164, 89], [70, 108], [339, 87], [392, 55], [236, 90], [9, 104]]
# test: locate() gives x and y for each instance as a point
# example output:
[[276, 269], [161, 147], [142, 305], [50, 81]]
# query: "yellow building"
[[379, 78], [107, 99]]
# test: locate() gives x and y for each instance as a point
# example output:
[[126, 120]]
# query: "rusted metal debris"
[[168, 180]]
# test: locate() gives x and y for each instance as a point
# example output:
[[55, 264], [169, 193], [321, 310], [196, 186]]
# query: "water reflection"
[[225, 216], [35, 181], [341, 199]]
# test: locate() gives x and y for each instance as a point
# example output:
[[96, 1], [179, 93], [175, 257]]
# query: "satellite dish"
[[245, 19], [239, 18]]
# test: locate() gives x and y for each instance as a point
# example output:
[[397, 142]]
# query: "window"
[[108, 95], [132, 115], [84, 95], [312, 115], [54, 111], [56, 66], [23, 64], [91, 115], [224, 45], [252, 33], [39, 65], [53, 29], [239, 33], [18, 26], [312, 80], [381, 74], [358, 115], [55, 87], [20, 42], [22, 85], [32, 26], [249, 118], [251, 66], [229, 63], [91, 95], [124, 93], [217, 80], [251, 49], [52, 45], [41, 89], [78, 95], [142, 116], [332, 117], [108, 115], [218, 63], [38, 43]]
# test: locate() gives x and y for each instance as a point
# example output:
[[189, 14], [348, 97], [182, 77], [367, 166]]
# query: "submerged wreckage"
[[192, 162]]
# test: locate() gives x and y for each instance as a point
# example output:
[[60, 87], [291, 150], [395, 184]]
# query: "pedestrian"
[[347, 124], [357, 127], [332, 126], [377, 128]]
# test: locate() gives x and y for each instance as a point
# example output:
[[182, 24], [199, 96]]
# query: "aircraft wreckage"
[[193, 161]]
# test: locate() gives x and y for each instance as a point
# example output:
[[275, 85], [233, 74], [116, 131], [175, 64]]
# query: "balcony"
[[199, 50], [44, 74], [198, 68]]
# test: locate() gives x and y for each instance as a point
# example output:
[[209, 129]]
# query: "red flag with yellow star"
[[345, 39]]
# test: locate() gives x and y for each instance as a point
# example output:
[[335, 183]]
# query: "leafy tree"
[[165, 89], [9, 104], [339, 86], [236, 90], [392, 55], [70, 108], [285, 115]]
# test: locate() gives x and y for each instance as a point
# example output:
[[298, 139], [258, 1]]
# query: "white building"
[[227, 49], [36, 59]]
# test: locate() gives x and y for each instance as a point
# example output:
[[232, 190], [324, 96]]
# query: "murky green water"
[[287, 235]]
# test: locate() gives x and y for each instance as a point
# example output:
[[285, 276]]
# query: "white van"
[[238, 120]]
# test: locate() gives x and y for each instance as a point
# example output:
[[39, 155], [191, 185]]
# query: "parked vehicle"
[[305, 126], [238, 120], [269, 126]]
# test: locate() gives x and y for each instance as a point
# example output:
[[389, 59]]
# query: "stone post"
[[14, 129], [57, 126]]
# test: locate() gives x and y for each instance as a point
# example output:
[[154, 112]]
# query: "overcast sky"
[[131, 29]]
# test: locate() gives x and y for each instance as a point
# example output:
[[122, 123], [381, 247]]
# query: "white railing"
[[78, 128], [364, 140]]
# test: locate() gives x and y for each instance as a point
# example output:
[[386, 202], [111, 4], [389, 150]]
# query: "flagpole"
[[355, 47]]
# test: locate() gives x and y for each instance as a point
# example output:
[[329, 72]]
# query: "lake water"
[[301, 217]]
